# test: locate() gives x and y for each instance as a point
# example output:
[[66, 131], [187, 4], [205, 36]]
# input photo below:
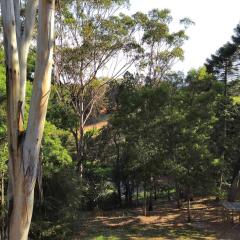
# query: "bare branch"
[[29, 20], [24, 46], [17, 19]]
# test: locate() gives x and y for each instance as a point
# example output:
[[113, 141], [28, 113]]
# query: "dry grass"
[[98, 125]]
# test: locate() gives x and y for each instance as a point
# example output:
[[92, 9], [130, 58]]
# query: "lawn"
[[165, 222]]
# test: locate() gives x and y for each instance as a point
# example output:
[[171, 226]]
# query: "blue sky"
[[214, 24]]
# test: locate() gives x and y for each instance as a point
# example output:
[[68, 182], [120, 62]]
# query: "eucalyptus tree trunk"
[[24, 145]]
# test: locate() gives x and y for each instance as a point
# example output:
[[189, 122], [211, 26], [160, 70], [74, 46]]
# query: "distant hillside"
[[99, 123]]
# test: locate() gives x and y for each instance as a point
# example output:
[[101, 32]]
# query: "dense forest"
[[123, 130]]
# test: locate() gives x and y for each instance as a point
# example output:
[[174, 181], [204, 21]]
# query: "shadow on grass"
[[165, 223], [133, 228]]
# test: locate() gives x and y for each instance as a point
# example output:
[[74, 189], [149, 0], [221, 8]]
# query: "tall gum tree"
[[91, 39], [24, 144]]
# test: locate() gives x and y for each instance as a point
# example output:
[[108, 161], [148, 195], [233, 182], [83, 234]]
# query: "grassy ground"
[[165, 222]]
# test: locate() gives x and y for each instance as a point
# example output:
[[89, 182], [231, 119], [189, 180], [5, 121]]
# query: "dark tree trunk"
[[178, 197], [189, 209], [137, 189], [118, 173], [224, 129], [189, 198], [155, 191], [150, 199], [168, 195], [119, 193], [126, 193], [131, 192], [145, 199], [150, 202]]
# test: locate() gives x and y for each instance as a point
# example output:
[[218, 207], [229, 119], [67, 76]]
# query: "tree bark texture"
[[24, 145]]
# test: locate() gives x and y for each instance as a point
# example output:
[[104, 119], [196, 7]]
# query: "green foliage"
[[2, 80], [55, 156], [161, 47], [3, 120], [31, 64], [165, 130], [60, 112]]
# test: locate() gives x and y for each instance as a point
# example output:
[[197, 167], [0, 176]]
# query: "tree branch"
[[25, 44], [16, 4], [41, 86]]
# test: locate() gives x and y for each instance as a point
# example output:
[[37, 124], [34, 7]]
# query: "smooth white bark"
[[12, 69], [41, 85], [25, 45], [24, 146]]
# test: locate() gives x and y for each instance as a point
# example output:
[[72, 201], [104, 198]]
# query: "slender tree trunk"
[[81, 134], [79, 164], [168, 195], [150, 199], [224, 142], [145, 199], [131, 192], [220, 184], [155, 191], [137, 189], [178, 197], [118, 169], [126, 193], [189, 209], [80, 156], [189, 204], [150, 202], [24, 46], [119, 193], [224, 130], [225, 79]]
